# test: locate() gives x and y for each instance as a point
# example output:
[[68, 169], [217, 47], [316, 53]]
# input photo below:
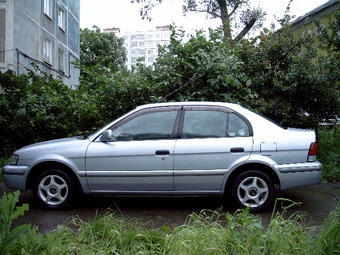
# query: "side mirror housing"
[[106, 136]]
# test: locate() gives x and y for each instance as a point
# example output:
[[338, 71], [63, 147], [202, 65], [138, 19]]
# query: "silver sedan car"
[[183, 148]]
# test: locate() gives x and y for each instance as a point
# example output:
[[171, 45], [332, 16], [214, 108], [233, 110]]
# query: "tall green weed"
[[208, 232], [19, 240]]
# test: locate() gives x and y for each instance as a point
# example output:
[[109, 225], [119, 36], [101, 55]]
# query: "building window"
[[61, 18], [150, 59], [142, 59], [150, 37], [133, 60], [140, 36], [48, 8], [47, 51], [61, 60], [150, 52], [320, 29]]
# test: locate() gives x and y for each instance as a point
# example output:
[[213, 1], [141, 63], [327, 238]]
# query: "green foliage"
[[328, 153], [201, 69], [209, 232], [33, 107], [104, 49], [328, 241], [20, 240], [3, 161], [293, 88]]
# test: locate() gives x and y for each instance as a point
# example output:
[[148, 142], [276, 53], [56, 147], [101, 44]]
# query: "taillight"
[[312, 152]]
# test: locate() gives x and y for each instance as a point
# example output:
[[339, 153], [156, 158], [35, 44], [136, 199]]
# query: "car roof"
[[191, 103]]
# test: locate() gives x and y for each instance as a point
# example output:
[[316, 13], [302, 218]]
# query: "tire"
[[54, 189], [253, 189]]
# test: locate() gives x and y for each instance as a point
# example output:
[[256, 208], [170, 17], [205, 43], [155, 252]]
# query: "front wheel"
[[253, 189], [54, 189]]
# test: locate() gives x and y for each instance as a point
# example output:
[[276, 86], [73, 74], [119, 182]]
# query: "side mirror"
[[106, 136]]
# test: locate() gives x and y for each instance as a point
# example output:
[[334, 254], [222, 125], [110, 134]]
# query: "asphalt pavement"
[[316, 202]]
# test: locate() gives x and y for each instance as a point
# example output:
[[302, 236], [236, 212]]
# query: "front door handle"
[[162, 152], [237, 149]]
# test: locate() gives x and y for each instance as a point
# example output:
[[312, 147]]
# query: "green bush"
[[2, 163], [329, 153]]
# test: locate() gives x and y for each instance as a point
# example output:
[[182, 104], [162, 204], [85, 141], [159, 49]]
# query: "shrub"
[[328, 153]]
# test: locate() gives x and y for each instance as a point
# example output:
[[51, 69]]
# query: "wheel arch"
[[251, 166], [42, 166]]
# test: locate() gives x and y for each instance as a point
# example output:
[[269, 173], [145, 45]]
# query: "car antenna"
[[163, 98]]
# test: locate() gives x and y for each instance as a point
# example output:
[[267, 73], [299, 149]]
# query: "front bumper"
[[15, 176]]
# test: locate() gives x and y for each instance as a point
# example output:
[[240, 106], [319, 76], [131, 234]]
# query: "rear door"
[[211, 139]]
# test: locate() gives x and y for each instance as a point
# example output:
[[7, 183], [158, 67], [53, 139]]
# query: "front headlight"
[[13, 159]]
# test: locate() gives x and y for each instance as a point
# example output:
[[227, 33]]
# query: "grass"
[[209, 232]]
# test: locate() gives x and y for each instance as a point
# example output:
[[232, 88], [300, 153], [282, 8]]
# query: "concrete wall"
[[23, 28]]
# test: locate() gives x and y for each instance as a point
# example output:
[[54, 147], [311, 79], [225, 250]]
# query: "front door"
[[138, 159]]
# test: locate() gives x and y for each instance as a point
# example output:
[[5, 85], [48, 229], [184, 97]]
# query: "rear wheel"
[[54, 189], [253, 189]]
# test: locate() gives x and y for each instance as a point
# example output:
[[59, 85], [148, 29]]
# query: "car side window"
[[204, 124], [237, 127], [213, 124], [148, 126]]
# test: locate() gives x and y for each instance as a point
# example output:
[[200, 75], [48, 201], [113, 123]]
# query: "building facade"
[[142, 46], [305, 25], [44, 32]]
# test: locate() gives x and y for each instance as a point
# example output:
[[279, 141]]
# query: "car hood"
[[66, 147]]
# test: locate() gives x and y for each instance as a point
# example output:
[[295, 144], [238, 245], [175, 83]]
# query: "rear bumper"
[[299, 175]]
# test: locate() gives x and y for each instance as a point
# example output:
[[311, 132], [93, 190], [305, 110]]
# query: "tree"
[[201, 69], [234, 14], [330, 44], [33, 107], [103, 49], [294, 83], [101, 55]]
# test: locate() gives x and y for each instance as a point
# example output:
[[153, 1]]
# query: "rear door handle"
[[237, 149], [162, 152]]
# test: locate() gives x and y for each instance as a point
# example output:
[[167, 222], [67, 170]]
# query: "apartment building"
[[45, 32], [142, 46]]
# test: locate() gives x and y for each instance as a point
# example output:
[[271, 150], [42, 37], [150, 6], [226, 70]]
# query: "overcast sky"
[[124, 15]]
